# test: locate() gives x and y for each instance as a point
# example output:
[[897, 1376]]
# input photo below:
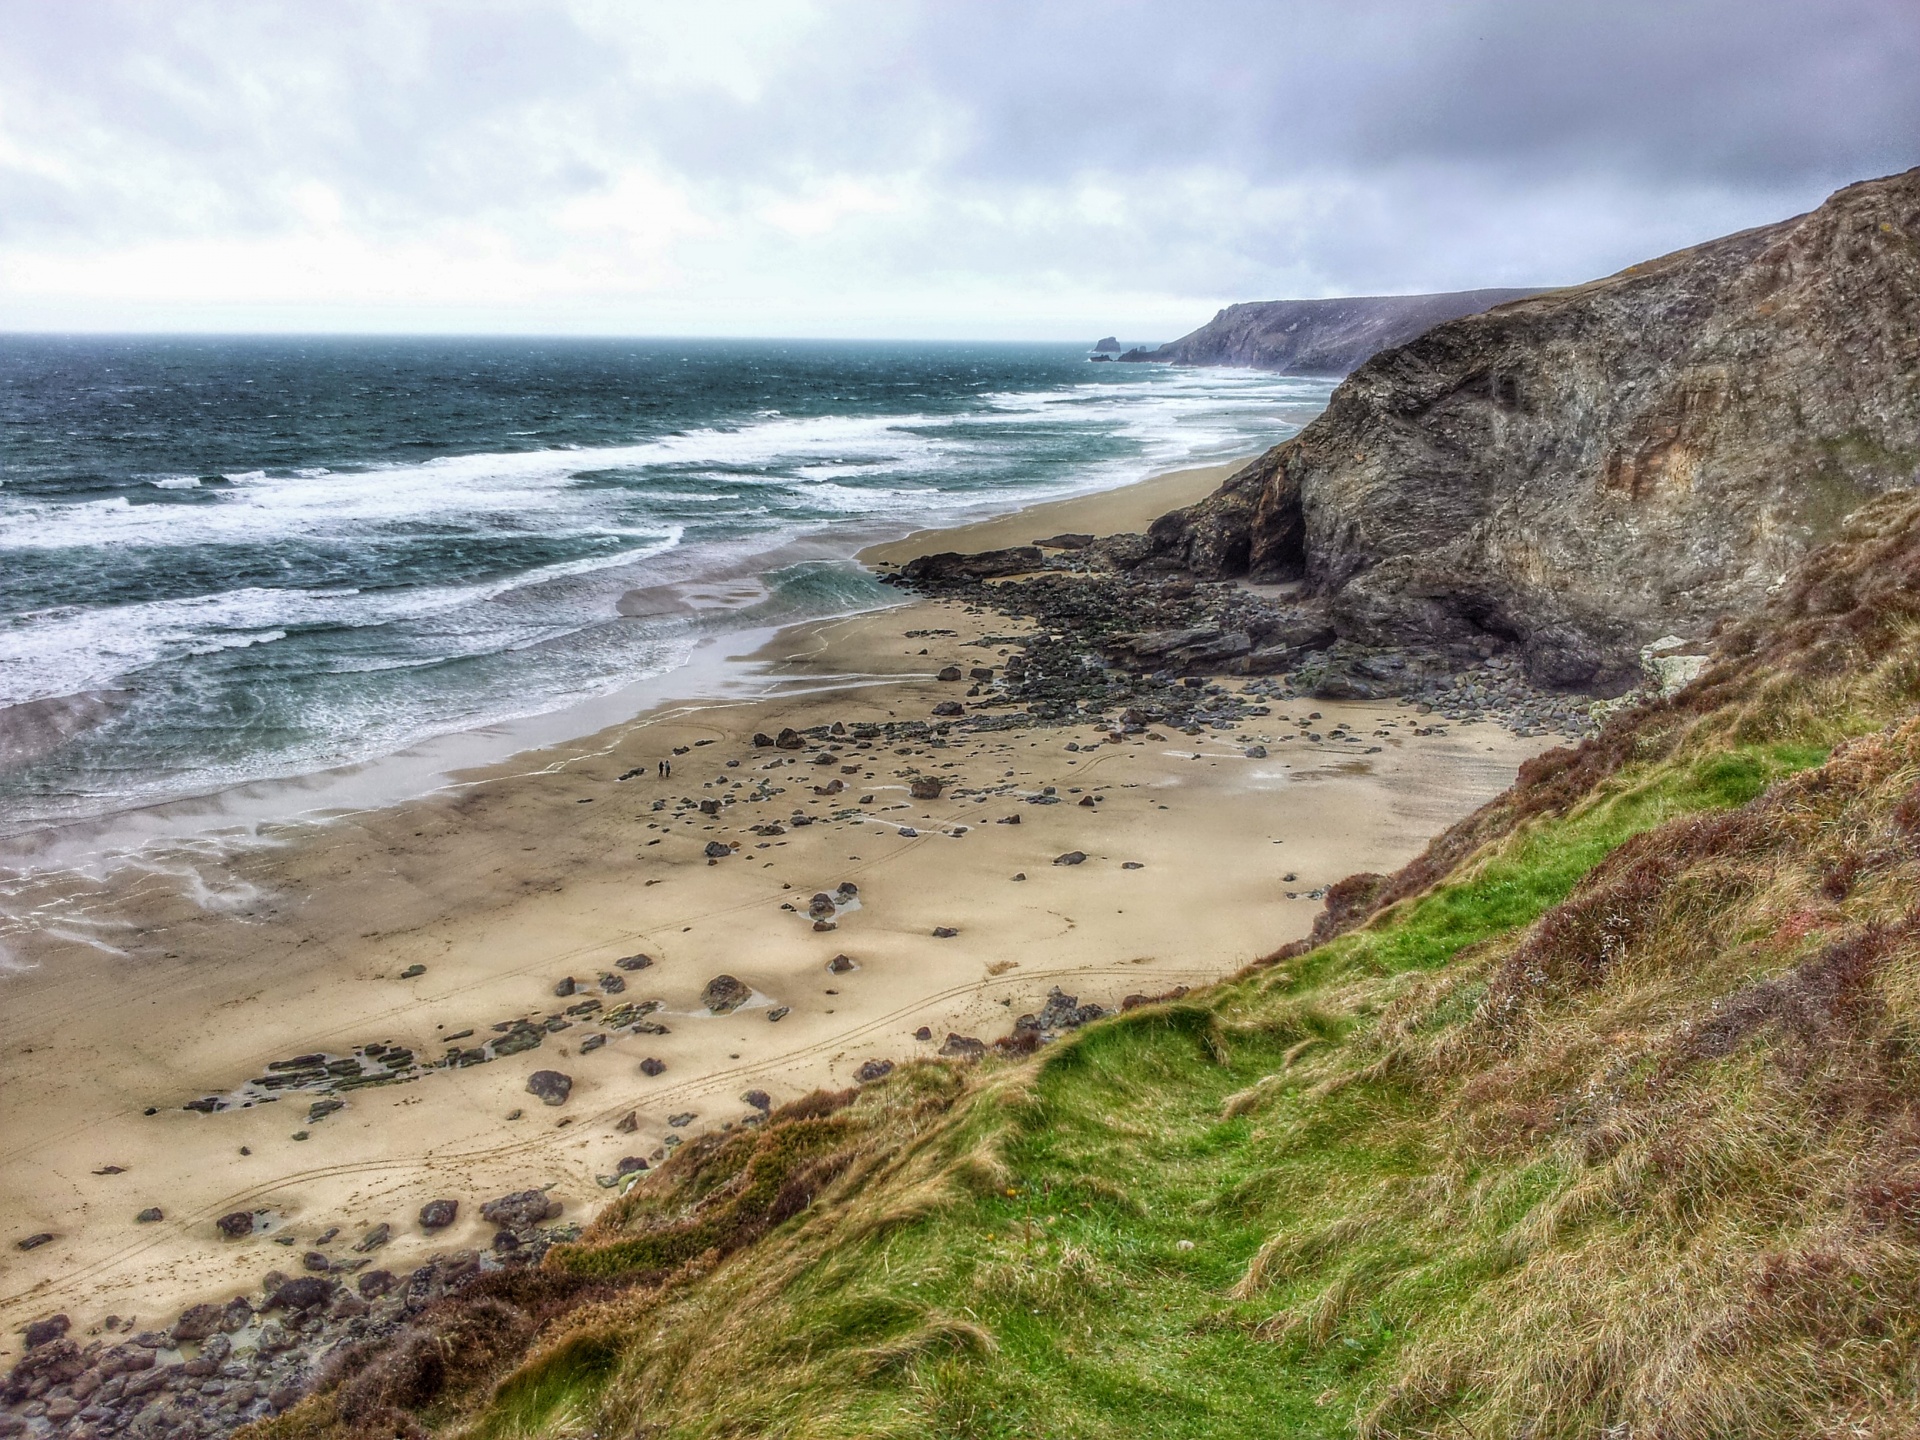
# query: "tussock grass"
[[1601, 1119]]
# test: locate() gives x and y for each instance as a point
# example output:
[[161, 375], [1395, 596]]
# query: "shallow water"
[[227, 560]]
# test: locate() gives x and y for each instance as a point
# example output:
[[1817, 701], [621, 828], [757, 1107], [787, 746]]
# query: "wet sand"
[[157, 987]]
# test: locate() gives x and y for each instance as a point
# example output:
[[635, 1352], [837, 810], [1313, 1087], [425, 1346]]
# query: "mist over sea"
[[225, 560]]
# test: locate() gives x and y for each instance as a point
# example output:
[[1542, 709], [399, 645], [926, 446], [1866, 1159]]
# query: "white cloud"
[[1047, 167]]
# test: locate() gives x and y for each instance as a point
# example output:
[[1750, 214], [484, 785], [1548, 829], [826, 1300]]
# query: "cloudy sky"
[[980, 168]]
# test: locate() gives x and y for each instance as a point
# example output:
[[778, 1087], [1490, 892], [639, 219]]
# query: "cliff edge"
[[1318, 337], [1582, 470]]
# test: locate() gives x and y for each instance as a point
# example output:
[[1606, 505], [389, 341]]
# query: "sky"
[[1050, 169]]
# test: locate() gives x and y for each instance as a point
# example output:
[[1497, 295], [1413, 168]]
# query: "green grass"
[[1540, 865]]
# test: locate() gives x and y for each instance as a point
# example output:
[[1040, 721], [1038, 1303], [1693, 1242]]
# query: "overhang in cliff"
[[1584, 469]]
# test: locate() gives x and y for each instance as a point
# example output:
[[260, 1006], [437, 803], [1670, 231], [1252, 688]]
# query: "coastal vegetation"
[[1598, 1118]]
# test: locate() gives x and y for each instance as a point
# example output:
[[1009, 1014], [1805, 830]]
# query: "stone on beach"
[[438, 1214], [724, 994], [551, 1086], [521, 1210]]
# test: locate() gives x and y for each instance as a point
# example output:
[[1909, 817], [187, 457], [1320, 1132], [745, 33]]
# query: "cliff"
[[1580, 471], [1318, 337]]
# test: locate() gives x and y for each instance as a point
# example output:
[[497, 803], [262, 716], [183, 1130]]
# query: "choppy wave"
[[282, 586]]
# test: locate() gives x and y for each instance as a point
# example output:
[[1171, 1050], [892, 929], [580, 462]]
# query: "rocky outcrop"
[[1582, 471], [1318, 337]]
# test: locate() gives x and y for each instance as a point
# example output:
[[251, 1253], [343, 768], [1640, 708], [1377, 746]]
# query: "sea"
[[225, 561]]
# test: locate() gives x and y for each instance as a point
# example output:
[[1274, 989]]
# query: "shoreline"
[[505, 882], [721, 666]]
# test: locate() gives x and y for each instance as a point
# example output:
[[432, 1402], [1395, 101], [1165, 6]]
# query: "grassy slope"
[[1606, 1116]]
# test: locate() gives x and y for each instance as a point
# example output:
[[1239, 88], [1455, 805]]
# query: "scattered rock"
[[759, 1100], [564, 987], [841, 964], [550, 1086], [375, 1283], [1072, 857], [682, 1120], [634, 962], [611, 984], [521, 1210], [438, 1214], [950, 709], [235, 1224], [307, 1293], [790, 739], [778, 1013], [923, 1033], [150, 1214], [944, 932], [45, 1332], [963, 1046], [718, 850], [628, 1123], [1131, 865], [724, 994], [872, 1070], [651, 1066], [373, 1239], [592, 1043], [926, 787], [948, 672]]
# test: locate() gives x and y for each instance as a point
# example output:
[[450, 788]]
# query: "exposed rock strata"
[[1590, 468]]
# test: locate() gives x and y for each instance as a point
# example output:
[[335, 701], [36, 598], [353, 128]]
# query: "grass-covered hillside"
[[1602, 1119]]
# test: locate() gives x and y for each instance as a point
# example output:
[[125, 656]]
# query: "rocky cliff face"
[[1318, 337], [1583, 470]]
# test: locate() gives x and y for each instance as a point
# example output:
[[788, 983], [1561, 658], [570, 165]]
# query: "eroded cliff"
[[1579, 471], [1318, 337]]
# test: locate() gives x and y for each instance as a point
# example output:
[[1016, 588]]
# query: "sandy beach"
[[499, 906]]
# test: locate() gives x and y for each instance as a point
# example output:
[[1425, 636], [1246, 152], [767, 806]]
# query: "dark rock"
[[309, 1292], [950, 709], [791, 739], [718, 850], [778, 1013], [592, 1043], [926, 787], [724, 994], [564, 987], [872, 1070], [197, 1322], [634, 962], [45, 1332], [373, 1239], [963, 1046], [235, 1224], [682, 1120], [150, 1214], [1086, 801], [438, 1214], [948, 566], [944, 932], [630, 1165], [628, 1123], [1072, 857], [759, 1100], [651, 1066], [375, 1283], [550, 1086], [841, 965], [762, 740], [1066, 541], [948, 672], [313, 1260], [521, 1210], [611, 984], [923, 1033]]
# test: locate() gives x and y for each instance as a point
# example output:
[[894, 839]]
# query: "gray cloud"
[[888, 167]]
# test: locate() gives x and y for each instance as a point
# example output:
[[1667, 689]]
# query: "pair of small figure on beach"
[[666, 769]]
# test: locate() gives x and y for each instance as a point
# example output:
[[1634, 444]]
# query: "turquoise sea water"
[[224, 560]]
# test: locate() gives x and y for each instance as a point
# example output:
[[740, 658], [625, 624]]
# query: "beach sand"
[[551, 865]]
